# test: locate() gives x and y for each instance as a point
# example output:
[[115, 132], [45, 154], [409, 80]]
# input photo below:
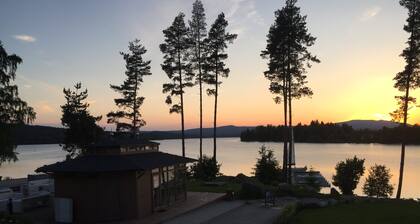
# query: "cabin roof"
[[111, 163]]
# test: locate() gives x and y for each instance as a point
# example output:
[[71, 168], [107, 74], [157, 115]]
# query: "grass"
[[12, 219], [383, 212], [199, 186]]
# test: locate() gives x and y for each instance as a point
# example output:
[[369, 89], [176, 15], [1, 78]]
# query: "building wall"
[[102, 197], [144, 194]]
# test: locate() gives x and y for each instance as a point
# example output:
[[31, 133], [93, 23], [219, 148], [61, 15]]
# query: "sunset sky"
[[63, 42]]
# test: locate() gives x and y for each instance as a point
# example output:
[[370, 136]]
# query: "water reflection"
[[238, 157]]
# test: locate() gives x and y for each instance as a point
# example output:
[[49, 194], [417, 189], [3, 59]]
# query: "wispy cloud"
[[243, 14], [25, 38], [234, 8], [370, 13]]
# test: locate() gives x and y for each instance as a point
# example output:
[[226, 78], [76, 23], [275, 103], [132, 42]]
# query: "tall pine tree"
[[81, 128], [409, 78], [217, 41], [287, 50], [277, 74], [13, 110], [128, 117], [197, 34], [176, 64]]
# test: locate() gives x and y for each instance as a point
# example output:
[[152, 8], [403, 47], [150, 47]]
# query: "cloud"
[[234, 8], [370, 13], [44, 107], [25, 38], [242, 15]]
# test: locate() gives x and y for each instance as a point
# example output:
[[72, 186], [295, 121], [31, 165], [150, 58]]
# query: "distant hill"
[[35, 134], [223, 132], [370, 124]]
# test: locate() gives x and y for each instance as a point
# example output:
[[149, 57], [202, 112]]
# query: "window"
[[156, 181]]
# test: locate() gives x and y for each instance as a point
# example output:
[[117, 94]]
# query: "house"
[[119, 179]]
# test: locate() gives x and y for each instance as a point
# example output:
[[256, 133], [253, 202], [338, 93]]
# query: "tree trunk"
[[285, 132], [403, 142], [289, 177], [182, 106], [134, 127], [201, 107], [215, 113]]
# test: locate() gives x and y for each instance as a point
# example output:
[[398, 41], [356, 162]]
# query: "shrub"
[[251, 191], [348, 174], [267, 168], [298, 191], [377, 183], [205, 169]]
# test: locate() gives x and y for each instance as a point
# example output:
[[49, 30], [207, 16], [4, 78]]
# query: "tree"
[[198, 33], [217, 41], [267, 168], [81, 128], [377, 183], [205, 169], [13, 110], [288, 41], [348, 174], [177, 66], [409, 78], [130, 103]]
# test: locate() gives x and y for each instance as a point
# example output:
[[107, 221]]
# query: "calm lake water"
[[239, 157]]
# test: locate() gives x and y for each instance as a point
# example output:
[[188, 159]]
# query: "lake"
[[240, 157]]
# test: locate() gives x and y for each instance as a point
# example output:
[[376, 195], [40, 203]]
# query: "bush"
[[348, 174], [377, 183], [299, 191], [267, 168], [205, 169], [251, 191]]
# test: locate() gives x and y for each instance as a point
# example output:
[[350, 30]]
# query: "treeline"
[[320, 132]]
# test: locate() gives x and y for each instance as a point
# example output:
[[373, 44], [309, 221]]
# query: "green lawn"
[[383, 212]]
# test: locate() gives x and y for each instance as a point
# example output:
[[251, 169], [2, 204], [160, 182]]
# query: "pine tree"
[[277, 75], [287, 50], [128, 117], [409, 78], [13, 110], [81, 128], [197, 34], [217, 41], [177, 66]]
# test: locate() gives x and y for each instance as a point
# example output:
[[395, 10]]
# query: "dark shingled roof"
[[110, 163]]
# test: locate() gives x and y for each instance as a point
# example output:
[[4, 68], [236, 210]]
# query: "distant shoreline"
[[262, 142]]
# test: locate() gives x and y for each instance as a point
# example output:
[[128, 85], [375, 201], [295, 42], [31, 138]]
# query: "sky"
[[64, 42]]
